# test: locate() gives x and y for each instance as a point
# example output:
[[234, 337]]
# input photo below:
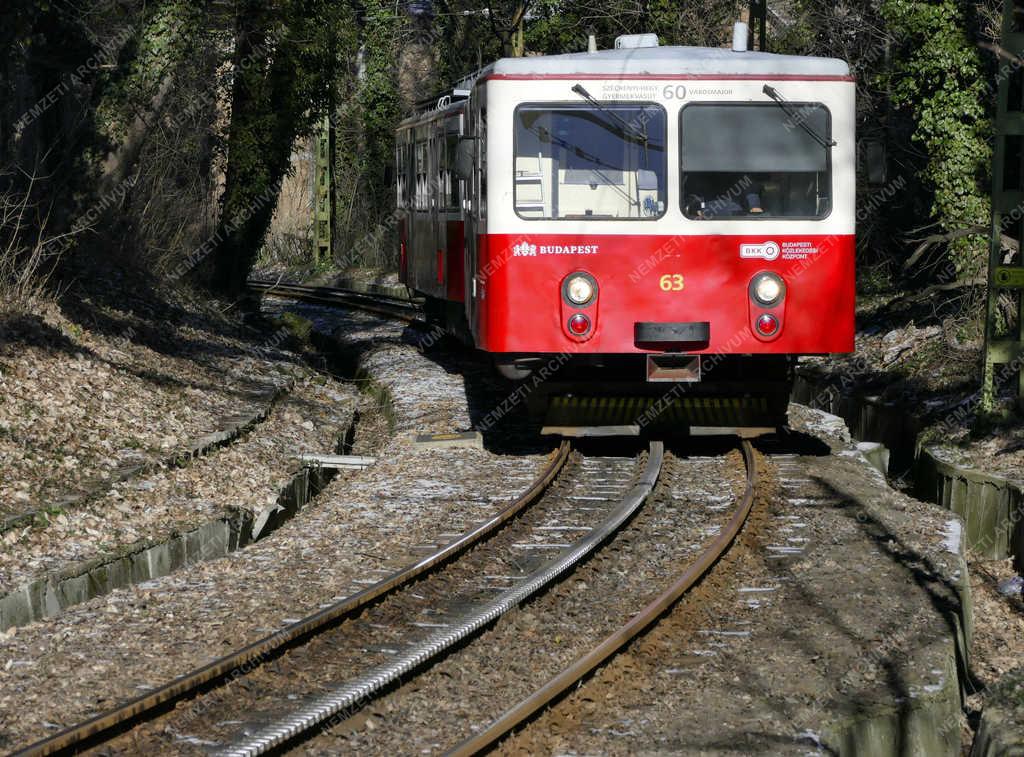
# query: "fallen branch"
[[933, 240], [1001, 52], [948, 286]]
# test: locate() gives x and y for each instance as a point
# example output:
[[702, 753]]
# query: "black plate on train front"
[[671, 335]]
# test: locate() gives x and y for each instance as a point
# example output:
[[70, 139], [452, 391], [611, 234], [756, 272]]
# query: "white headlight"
[[579, 290], [768, 289]]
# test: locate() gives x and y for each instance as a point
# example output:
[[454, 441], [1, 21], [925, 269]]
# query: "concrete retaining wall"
[[1001, 732], [921, 726], [868, 418], [992, 506], [135, 563], [145, 560]]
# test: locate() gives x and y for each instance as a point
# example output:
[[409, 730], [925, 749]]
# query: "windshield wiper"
[[784, 104], [626, 125]]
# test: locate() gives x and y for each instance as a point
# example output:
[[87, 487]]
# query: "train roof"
[[637, 62], [668, 61]]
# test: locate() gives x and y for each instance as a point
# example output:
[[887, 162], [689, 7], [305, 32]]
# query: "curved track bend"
[[108, 724]]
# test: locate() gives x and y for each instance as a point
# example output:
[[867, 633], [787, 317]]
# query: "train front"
[[666, 229]]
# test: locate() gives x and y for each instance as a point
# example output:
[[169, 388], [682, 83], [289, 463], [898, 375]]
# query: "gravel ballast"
[[832, 627], [106, 650]]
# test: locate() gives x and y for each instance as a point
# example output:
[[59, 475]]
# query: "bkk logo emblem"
[[763, 251]]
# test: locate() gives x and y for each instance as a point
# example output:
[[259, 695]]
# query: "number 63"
[[671, 282]]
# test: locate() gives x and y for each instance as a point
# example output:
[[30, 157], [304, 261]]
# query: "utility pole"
[[1004, 343], [519, 30], [759, 17], [519, 40]]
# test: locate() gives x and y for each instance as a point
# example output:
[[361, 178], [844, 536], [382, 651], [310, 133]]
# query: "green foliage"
[[202, 88], [369, 108], [460, 36], [562, 26], [48, 82], [284, 73], [170, 36], [297, 327], [378, 98], [938, 76], [706, 24]]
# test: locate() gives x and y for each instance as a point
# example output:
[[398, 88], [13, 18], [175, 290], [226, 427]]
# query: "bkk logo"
[[763, 251]]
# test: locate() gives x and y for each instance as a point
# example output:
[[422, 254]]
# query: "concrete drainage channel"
[[149, 559], [304, 487], [135, 563], [233, 428]]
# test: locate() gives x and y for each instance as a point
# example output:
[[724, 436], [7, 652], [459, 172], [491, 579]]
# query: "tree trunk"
[[264, 124]]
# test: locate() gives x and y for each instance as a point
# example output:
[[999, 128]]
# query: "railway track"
[[393, 307], [105, 725], [583, 666], [525, 661], [356, 650], [590, 500]]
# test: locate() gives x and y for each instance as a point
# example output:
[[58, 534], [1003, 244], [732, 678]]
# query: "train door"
[[403, 192], [469, 212], [437, 232], [421, 242], [475, 203]]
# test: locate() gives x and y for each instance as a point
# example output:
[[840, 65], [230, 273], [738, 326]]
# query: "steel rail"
[[327, 291], [586, 664], [394, 307], [354, 693], [257, 652]]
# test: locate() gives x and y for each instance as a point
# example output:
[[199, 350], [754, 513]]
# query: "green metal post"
[[1004, 353], [322, 203]]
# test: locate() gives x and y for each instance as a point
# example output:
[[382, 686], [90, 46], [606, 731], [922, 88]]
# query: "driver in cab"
[[725, 197]]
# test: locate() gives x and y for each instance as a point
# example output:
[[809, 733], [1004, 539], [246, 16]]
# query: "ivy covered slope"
[[170, 125], [938, 76]]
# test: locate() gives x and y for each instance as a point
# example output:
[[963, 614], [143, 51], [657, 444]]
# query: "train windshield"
[[755, 161], [586, 163]]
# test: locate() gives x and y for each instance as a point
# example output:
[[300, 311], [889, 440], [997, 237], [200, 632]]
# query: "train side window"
[[451, 181], [421, 199], [398, 174], [581, 162], [755, 160], [447, 181], [482, 173], [433, 188], [409, 177], [401, 174]]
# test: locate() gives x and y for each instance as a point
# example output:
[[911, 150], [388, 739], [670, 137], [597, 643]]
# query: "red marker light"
[[767, 324], [579, 324]]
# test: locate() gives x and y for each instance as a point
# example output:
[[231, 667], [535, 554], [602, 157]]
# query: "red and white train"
[[656, 232]]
